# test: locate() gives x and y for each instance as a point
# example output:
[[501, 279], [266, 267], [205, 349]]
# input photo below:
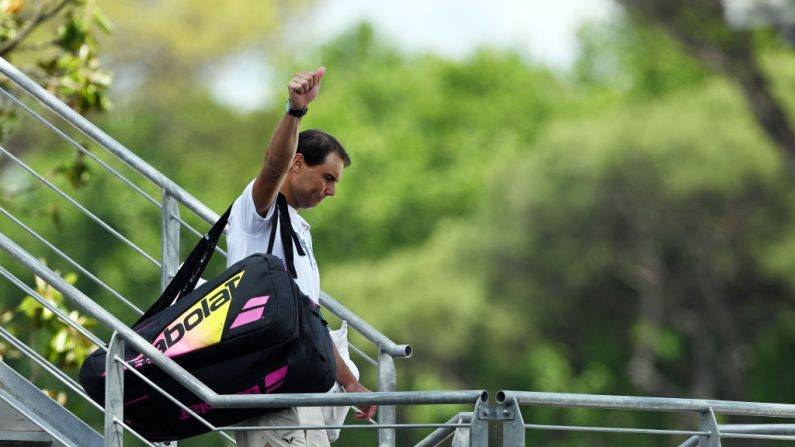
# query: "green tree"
[[423, 132], [165, 49], [702, 29], [643, 250], [55, 42]]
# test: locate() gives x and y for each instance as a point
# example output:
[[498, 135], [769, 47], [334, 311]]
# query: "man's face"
[[312, 184]]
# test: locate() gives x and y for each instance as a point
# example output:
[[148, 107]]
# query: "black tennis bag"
[[248, 331]]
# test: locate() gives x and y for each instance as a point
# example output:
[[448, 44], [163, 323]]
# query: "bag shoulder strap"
[[188, 275], [281, 215], [191, 270]]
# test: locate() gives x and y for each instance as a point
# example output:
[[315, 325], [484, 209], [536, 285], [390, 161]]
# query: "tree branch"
[[39, 16], [699, 25]]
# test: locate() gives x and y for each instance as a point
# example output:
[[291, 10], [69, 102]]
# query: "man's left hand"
[[367, 411]]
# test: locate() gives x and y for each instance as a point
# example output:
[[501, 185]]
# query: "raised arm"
[[303, 88]]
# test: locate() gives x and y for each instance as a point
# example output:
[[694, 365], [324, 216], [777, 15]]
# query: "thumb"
[[321, 71]]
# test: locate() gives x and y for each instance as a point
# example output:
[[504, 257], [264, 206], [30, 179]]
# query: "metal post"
[[513, 424], [709, 424], [479, 433], [114, 393], [461, 434], [387, 382], [169, 263], [170, 240]]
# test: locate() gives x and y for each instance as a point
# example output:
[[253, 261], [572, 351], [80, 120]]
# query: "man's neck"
[[290, 198]]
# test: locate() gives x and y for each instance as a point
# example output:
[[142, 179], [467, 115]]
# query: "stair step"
[[24, 438], [17, 431], [29, 410]]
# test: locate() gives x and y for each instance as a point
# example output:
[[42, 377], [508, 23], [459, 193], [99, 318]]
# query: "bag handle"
[[191, 270]]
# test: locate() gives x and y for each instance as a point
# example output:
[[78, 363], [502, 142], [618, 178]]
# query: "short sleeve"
[[244, 213]]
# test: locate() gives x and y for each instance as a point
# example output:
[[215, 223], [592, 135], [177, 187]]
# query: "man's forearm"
[[344, 375], [302, 88], [283, 145], [278, 159]]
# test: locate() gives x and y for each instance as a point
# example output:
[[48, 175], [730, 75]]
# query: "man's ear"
[[298, 163]]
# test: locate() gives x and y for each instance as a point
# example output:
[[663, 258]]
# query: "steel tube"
[[23, 409], [364, 328], [169, 240], [462, 419], [757, 436], [104, 317], [339, 399], [203, 391], [387, 414], [47, 366], [343, 426], [622, 430], [98, 160], [114, 394], [71, 262], [647, 403], [106, 141], [80, 207], [79, 146], [769, 429], [363, 355], [691, 442], [51, 307]]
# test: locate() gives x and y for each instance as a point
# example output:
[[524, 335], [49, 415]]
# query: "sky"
[[543, 31]]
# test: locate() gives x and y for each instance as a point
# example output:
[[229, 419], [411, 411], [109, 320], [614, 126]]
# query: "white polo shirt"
[[249, 233]]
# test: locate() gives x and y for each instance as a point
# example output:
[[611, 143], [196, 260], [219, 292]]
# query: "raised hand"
[[304, 87]]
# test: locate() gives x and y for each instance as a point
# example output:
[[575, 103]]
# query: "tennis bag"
[[248, 331]]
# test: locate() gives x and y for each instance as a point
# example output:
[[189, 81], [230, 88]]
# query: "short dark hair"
[[315, 145]]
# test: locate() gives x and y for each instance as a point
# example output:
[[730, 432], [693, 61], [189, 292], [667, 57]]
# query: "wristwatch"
[[298, 113]]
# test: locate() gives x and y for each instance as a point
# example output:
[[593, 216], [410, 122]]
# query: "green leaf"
[[103, 21], [29, 307], [60, 341]]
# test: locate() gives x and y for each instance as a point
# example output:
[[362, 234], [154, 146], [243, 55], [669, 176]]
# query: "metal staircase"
[[29, 417], [48, 421]]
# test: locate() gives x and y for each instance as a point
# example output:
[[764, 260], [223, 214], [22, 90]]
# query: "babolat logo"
[[199, 326]]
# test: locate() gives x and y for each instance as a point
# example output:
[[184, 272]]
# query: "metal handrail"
[[96, 159], [80, 207], [170, 187], [445, 431], [46, 365], [706, 408], [736, 408], [783, 432], [201, 390], [173, 194], [369, 332], [51, 307], [78, 146], [71, 261], [103, 139]]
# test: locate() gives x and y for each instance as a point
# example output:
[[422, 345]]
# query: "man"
[[304, 169]]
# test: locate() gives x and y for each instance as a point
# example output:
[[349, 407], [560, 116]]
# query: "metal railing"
[[709, 432], [469, 428], [386, 395], [124, 334]]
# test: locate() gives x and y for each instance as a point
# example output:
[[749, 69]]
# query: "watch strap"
[[298, 113]]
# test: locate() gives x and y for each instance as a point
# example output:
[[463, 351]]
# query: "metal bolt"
[[506, 412], [485, 412]]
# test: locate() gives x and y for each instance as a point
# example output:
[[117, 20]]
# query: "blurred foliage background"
[[623, 226]]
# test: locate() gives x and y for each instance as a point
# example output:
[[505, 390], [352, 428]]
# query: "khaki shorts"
[[284, 438]]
